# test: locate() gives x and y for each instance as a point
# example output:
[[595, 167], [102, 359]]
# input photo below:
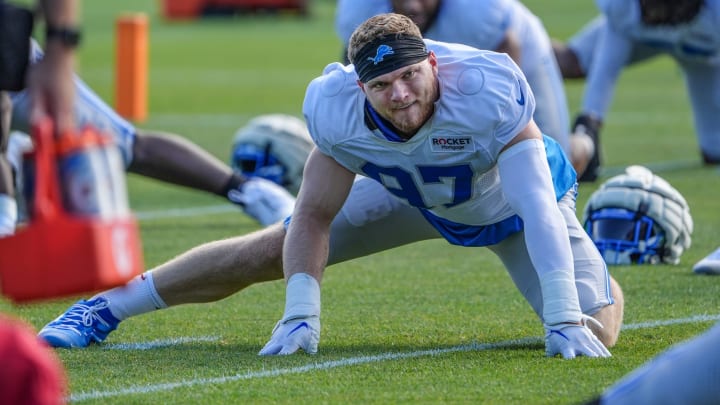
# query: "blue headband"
[[388, 53]]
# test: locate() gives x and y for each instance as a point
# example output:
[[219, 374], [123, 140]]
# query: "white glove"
[[18, 143], [289, 335], [572, 340], [264, 200]]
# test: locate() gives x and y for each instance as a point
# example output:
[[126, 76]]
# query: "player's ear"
[[361, 85], [432, 58]]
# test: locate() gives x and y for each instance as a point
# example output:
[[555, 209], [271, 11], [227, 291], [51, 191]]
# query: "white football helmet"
[[273, 146], [638, 217]]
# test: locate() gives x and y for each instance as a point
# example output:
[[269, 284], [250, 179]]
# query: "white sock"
[[8, 215], [137, 297], [583, 140]]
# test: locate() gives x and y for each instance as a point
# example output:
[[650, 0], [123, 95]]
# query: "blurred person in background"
[[687, 373], [630, 32], [49, 83]]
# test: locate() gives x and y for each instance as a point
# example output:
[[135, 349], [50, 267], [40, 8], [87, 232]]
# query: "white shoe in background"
[[709, 265]]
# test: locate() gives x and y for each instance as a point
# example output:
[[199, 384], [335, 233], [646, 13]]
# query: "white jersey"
[[449, 167], [697, 40], [484, 27], [621, 38]]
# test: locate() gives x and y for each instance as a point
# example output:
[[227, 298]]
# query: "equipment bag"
[[63, 250]]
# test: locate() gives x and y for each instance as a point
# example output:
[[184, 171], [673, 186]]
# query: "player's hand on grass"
[[292, 334], [571, 340]]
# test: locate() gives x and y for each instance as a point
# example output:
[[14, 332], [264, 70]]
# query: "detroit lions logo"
[[382, 52]]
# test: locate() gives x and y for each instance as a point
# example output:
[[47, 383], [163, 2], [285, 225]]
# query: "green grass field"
[[428, 323]]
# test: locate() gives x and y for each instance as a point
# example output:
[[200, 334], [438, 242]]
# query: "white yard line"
[[326, 365], [187, 212], [155, 344]]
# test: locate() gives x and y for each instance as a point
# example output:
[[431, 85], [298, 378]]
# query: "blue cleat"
[[80, 325]]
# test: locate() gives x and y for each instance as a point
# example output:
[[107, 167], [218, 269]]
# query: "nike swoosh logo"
[[521, 100], [301, 325], [559, 333]]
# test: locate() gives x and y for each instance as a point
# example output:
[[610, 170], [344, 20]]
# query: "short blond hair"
[[379, 26]]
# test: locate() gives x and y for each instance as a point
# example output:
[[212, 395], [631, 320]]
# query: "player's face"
[[420, 11], [405, 96]]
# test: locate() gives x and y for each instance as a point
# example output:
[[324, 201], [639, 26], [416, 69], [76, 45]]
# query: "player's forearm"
[[325, 187], [528, 188], [306, 247], [62, 23], [60, 13]]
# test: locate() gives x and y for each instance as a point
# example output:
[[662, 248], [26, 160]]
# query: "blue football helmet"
[[274, 147], [251, 160], [624, 236], [638, 218]]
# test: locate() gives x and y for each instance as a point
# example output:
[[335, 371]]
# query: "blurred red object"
[[189, 9], [31, 374]]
